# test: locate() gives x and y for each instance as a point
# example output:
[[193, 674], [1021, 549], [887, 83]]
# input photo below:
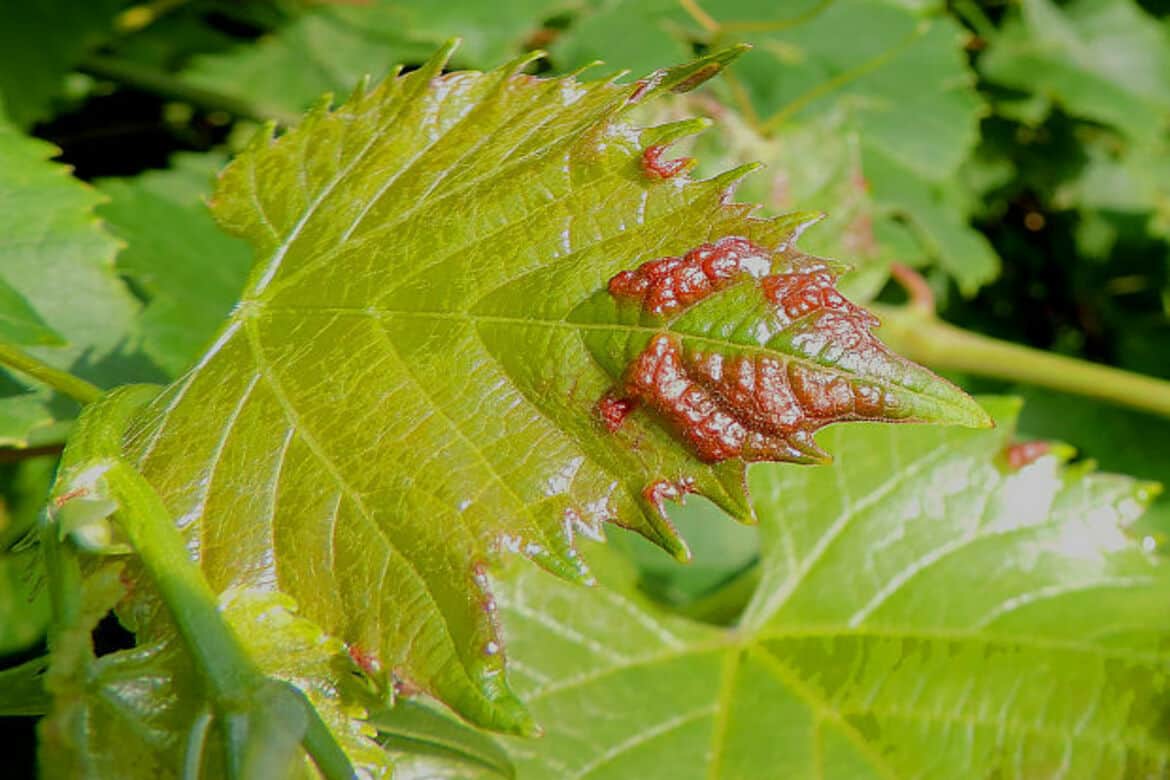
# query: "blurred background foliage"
[[1015, 153]]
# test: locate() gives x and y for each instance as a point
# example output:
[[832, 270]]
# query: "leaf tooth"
[[734, 498], [518, 64], [362, 88], [683, 78], [560, 558], [576, 74], [437, 62], [670, 132]]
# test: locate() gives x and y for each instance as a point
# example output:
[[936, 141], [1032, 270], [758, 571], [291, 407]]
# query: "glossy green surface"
[[407, 389], [923, 612]]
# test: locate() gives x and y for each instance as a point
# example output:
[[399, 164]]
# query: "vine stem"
[[93, 469], [925, 339], [162, 83], [62, 381]]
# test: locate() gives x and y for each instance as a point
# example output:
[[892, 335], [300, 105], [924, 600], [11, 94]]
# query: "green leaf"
[[1105, 60], [190, 272], [410, 385], [19, 323], [331, 47], [871, 129], [39, 43], [416, 729], [924, 611], [57, 257], [22, 688], [138, 713]]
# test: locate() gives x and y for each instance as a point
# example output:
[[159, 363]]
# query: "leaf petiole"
[[93, 475], [62, 381]]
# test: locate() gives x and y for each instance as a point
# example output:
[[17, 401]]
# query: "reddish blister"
[[663, 490], [672, 283], [722, 411], [613, 410], [365, 660], [802, 292], [656, 168], [1025, 453]]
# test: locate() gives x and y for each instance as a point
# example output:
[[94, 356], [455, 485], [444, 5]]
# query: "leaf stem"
[[928, 340], [234, 679], [62, 381], [160, 82]]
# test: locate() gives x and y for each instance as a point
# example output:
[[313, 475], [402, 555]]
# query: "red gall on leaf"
[[656, 168], [671, 283], [1025, 453]]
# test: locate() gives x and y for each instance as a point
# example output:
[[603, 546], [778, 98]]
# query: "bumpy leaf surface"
[[924, 611], [902, 93], [421, 372], [57, 260]]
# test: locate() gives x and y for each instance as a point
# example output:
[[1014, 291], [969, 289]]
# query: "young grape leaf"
[[465, 284], [803, 82], [190, 272], [58, 260], [925, 610]]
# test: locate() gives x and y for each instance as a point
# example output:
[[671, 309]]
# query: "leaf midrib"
[[650, 330]]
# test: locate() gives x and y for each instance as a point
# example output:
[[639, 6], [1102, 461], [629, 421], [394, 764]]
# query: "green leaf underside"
[[923, 612], [405, 391]]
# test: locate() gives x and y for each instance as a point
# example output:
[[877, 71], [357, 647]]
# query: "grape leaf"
[[39, 43], [1105, 60], [417, 378], [188, 269], [900, 102], [55, 255], [924, 611], [330, 47], [19, 322], [137, 712]]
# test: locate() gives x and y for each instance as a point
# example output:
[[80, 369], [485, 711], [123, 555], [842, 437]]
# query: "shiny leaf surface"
[[410, 385], [925, 610]]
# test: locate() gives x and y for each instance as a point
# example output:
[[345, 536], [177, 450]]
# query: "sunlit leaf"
[[55, 255], [424, 368], [924, 610]]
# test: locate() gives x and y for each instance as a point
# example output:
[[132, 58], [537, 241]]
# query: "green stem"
[[163, 83], [61, 381], [231, 675], [930, 341]]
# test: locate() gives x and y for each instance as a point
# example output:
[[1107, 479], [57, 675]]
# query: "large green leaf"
[[410, 384], [58, 260], [924, 611], [1104, 60], [188, 269]]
